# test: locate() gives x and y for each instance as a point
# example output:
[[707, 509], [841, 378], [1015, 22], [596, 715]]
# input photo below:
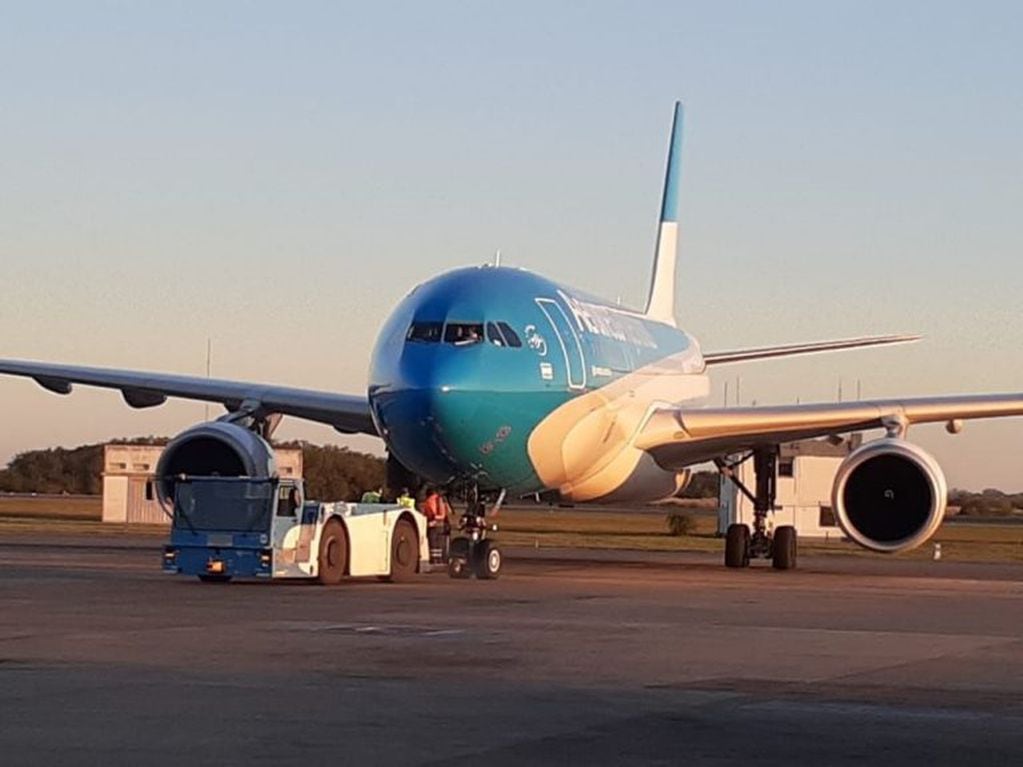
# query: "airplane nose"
[[423, 409]]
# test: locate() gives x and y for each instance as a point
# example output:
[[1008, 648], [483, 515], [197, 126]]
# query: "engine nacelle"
[[217, 448], [889, 495]]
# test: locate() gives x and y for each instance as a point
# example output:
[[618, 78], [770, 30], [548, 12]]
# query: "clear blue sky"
[[278, 175]]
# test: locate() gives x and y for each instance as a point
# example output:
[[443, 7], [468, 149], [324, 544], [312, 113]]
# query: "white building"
[[128, 485], [806, 474]]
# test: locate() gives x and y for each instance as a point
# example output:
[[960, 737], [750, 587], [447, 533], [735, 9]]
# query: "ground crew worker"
[[373, 496], [435, 508], [406, 500]]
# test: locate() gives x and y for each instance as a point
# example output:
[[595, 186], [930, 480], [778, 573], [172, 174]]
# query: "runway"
[[602, 658]]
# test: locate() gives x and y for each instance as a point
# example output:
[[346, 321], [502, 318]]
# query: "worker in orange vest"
[[435, 508]]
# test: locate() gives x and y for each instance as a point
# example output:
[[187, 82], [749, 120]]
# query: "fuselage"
[[503, 377]]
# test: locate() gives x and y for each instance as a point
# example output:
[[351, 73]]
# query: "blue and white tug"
[[262, 527]]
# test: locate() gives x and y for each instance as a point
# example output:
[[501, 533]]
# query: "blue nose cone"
[[422, 406]]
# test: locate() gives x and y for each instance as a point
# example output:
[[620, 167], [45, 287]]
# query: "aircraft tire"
[[783, 548], [737, 546], [333, 557], [488, 560], [404, 551]]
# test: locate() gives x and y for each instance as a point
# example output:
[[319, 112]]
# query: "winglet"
[[661, 300]]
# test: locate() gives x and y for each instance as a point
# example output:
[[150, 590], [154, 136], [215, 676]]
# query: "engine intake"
[[889, 495], [217, 448]]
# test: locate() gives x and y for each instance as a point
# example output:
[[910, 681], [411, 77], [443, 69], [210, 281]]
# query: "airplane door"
[[568, 340]]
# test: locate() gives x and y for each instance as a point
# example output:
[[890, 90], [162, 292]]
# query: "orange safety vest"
[[434, 507]]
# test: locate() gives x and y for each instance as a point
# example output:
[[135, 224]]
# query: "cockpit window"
[[510, 336], [424, 332], [463, 334], [494, 335]]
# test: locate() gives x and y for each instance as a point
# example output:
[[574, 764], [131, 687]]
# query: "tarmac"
[[568, 658]]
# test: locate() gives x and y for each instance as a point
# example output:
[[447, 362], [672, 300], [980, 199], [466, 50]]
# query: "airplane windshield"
[[509, 335], [463, 334], [424, 332], [501, 334], [495, 336]]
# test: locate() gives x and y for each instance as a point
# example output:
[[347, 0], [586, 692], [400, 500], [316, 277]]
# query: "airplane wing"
[[677, 438], [346, 413], [790, 350]]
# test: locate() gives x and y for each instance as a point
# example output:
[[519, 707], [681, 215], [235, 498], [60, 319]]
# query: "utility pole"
[[206, 407]]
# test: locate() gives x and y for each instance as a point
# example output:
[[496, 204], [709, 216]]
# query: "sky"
[[276, 176]]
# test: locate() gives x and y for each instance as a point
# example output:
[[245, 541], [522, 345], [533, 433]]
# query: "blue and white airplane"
[[507, 384]]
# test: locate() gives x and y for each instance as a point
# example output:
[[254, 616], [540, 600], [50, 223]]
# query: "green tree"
[[703, 484]]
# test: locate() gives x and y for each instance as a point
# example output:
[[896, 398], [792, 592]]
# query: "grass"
[[649, 532], [35, 525], [82, 507], [645, 530]]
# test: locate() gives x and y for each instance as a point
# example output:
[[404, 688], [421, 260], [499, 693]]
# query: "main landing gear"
[[472, 552], [742, 544]]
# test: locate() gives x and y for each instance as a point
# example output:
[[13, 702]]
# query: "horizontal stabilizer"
[[790, 350]]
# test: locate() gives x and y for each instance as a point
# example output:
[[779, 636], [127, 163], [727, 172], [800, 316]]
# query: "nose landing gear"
[[472, 552]]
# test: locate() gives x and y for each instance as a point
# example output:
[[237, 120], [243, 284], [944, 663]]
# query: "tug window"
[[463, 334], [509, 335], [424, 332]]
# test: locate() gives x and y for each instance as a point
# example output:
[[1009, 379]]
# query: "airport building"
[[128, 481], [806, 474]]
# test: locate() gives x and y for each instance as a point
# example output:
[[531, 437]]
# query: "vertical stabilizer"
[[661, 301]]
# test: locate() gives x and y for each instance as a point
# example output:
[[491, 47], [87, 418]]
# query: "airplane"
[[503, 383]]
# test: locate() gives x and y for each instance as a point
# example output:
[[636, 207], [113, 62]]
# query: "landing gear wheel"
[[487, 560], [404, 551], [737, 546], [214, 578], [333, 557], [458, 559], [783, 550]]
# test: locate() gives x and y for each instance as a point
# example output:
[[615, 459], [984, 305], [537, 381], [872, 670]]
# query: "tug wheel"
[[333, 558], [404, 551]]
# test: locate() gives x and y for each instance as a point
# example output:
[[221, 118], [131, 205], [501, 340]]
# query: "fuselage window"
[[424, 332], [463, 333], [494, 335], [510, 336]]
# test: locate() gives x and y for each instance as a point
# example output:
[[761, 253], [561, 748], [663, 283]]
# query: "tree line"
[[987, 503]]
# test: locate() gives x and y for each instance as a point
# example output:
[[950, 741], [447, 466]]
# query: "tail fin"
[[660, 304]]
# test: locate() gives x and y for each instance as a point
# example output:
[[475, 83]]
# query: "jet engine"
[[889, 495], [218, 448]]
